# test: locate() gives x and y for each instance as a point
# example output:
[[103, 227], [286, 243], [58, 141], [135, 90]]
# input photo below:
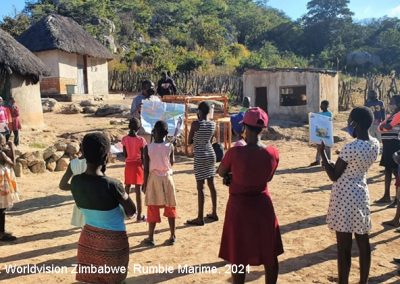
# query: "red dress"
[[133, 163], [251, 233]]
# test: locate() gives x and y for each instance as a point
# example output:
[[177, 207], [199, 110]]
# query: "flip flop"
[[8, 238], [195, 222], [212, 217], [170, 241], [148, 242]]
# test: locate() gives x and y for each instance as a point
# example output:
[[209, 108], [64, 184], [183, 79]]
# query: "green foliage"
[[187, 35]]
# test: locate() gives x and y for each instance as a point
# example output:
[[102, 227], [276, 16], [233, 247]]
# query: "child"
[[158, 184], [102, 201], [15, 126], [8, 185], [324, 107], [133, 151], [242, 140], [395, 222]]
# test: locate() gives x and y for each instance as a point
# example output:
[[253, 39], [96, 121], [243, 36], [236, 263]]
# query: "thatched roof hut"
[[20, 70], [78, 62], [16, 58], [62, 33]]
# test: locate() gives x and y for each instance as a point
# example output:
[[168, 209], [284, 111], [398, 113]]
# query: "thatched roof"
[[58, 32], [16, 58]]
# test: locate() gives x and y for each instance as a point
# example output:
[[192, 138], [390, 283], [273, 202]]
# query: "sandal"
[[212, 217], [195, 222], [7, 237], [148, 242], [170, 241]]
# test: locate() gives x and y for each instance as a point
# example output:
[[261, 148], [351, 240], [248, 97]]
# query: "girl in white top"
[[158, 184]]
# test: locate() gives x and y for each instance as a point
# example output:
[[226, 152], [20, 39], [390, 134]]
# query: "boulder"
[[89, 109], [57, 155], [23, 162], [61, 146], [87, 103], [18, 169], [107, 110], [51, 165], [71, 109], [62, 164], [49, 152], [72, 148], [50, 105], [39, 167]]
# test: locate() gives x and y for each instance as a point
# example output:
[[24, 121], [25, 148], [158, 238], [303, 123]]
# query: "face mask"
[[351, 129]]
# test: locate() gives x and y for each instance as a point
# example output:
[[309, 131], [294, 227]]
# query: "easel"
[[218, 117]]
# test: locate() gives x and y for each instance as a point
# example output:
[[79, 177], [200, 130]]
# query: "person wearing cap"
[[251, 234]]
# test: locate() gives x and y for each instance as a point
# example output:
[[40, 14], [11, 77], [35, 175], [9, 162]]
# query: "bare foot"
[[383, 200], [392, 223]]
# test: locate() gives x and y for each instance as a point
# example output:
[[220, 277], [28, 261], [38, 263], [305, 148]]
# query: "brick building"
[[74, 57]]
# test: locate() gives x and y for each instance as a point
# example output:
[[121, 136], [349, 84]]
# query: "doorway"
[[82, 75], [261, 98]]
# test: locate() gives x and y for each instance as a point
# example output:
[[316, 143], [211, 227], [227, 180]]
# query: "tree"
[[16, 25]]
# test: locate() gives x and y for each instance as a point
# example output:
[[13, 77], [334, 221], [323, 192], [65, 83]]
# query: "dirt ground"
[[41, 221]]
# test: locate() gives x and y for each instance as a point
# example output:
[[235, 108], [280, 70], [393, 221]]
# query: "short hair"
[[255, 129], [96, 147], [146, 84], [161, 128], [246, 102], [363, 116], [204, 107], [325, 102], [134, 124], [164, 73]]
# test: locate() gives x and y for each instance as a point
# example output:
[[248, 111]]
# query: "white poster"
[[172, 114], [321, 129]]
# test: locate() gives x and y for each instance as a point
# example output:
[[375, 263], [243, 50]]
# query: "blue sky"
[[293, 8]]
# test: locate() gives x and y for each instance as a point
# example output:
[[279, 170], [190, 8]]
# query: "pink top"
[[159, 154], [133, 146], [3, 114]]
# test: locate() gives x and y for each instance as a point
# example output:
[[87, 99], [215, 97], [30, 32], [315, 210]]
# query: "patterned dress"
[[349, 204], [204, 155], [8, 187]]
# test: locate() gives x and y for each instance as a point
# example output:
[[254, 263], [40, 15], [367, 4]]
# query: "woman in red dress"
[[251, 233]]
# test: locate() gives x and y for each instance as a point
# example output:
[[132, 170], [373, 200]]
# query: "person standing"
[[251, 234], [390, 131], [378, 109], [349, 210], [166, 85], [4, 118], [8, 185], [103, 202], [324, 107], [200, 135], [16, 123]]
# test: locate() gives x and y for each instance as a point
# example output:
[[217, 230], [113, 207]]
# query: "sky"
[[363, 9]]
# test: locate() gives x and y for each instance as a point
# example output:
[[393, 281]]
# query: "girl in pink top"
[[158, 184], [133, 151]]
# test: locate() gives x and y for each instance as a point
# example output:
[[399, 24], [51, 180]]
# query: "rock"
[[117, 122], [71, 109], [72, 149], [33, 157], [51, 165], [57, 155], [61, 146], [110, 110], [62, 164], [50, 105], [87, 103], [18, 170], [39, 167], [49, 152], [89, 109], [23, 162]]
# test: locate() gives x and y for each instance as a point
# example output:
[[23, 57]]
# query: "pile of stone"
[[54, 158]]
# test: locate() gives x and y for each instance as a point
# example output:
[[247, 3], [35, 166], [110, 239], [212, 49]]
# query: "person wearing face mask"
[[390, 130], [349, 210]]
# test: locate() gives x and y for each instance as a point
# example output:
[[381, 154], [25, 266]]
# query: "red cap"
[[256, 117]]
